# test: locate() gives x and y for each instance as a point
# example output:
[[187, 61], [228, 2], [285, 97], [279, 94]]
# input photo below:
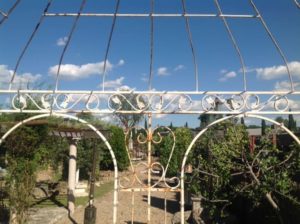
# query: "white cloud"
[[178, 67], [162, 71], [294, 104], [73, 72], [160, 116], [121, 62], [144, 77], [247, 70], [286, 86], [20, 81], [228, 75], [275, 72], [109, 119], [114, 84], [62, 41], [223, 71]]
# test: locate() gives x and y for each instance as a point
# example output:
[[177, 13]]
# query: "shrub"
[[117, 142], [183, 139]]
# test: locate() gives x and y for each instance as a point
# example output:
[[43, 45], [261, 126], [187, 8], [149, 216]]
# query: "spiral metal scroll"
[[142, 137], [152, 102]]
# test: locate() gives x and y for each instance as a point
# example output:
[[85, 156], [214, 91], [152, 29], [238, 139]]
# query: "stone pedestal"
[[197, 210]]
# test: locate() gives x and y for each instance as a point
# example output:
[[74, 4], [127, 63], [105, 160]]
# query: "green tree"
[[183, 139], [282, 120], [242, 121], [186, 125], [128, 101], [225, 170], [24, 158], [263, 127], [292, 124], [117, 142], [206, 119]]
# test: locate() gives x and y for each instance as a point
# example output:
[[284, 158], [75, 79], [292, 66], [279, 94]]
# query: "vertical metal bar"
[[297, 4], [92, 187], [149, 166], [74, 25], [190, 37], [28, 44], [276, 44], [9, 12], [108, 44], [234, 42], [132, 206], [151, 45], [165, 207], [90, 212]]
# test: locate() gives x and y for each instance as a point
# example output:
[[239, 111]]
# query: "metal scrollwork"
[[252, 102], [162, 102], [140, 169], [281, 103], [19, 102]]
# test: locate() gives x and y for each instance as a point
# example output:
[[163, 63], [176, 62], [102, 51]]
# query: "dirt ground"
[[104, 209], [125, 210]]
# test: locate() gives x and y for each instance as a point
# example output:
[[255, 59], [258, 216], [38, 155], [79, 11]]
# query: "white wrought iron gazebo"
[[65, 103]]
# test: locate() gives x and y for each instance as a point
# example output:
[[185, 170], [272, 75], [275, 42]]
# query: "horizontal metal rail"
[[106, 112], [151, 15], [152, 92], [154, 189]]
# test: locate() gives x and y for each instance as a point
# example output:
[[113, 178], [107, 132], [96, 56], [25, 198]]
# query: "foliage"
[[31, 147], [85, 153], [23, 160], [117, 142], [263, 127], [225, 170], [183, 139], [292, 124]]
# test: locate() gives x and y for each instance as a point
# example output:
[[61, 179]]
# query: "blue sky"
[[219, 67]]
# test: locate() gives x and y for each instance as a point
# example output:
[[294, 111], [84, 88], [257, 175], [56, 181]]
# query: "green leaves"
[[183, 140], [226, 169]]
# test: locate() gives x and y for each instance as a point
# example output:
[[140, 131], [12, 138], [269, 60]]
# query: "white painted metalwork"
[[297, 3], [62, 103], [155, 102], [137, 15], [135, 182]]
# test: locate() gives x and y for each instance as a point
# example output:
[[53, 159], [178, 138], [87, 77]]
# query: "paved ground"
[[47, 215]]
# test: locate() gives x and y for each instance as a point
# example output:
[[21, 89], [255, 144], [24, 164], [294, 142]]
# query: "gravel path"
[[104, 207]]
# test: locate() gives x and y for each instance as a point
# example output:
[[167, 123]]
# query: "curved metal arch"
[[102, 137], [297, 3], [203, 131]]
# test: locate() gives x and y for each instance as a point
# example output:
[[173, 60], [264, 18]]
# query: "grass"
[[99, 192], [61, 200]]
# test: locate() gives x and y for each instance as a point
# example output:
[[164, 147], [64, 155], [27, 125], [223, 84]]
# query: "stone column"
[[197, 210], [72, 176], [77, 177]]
